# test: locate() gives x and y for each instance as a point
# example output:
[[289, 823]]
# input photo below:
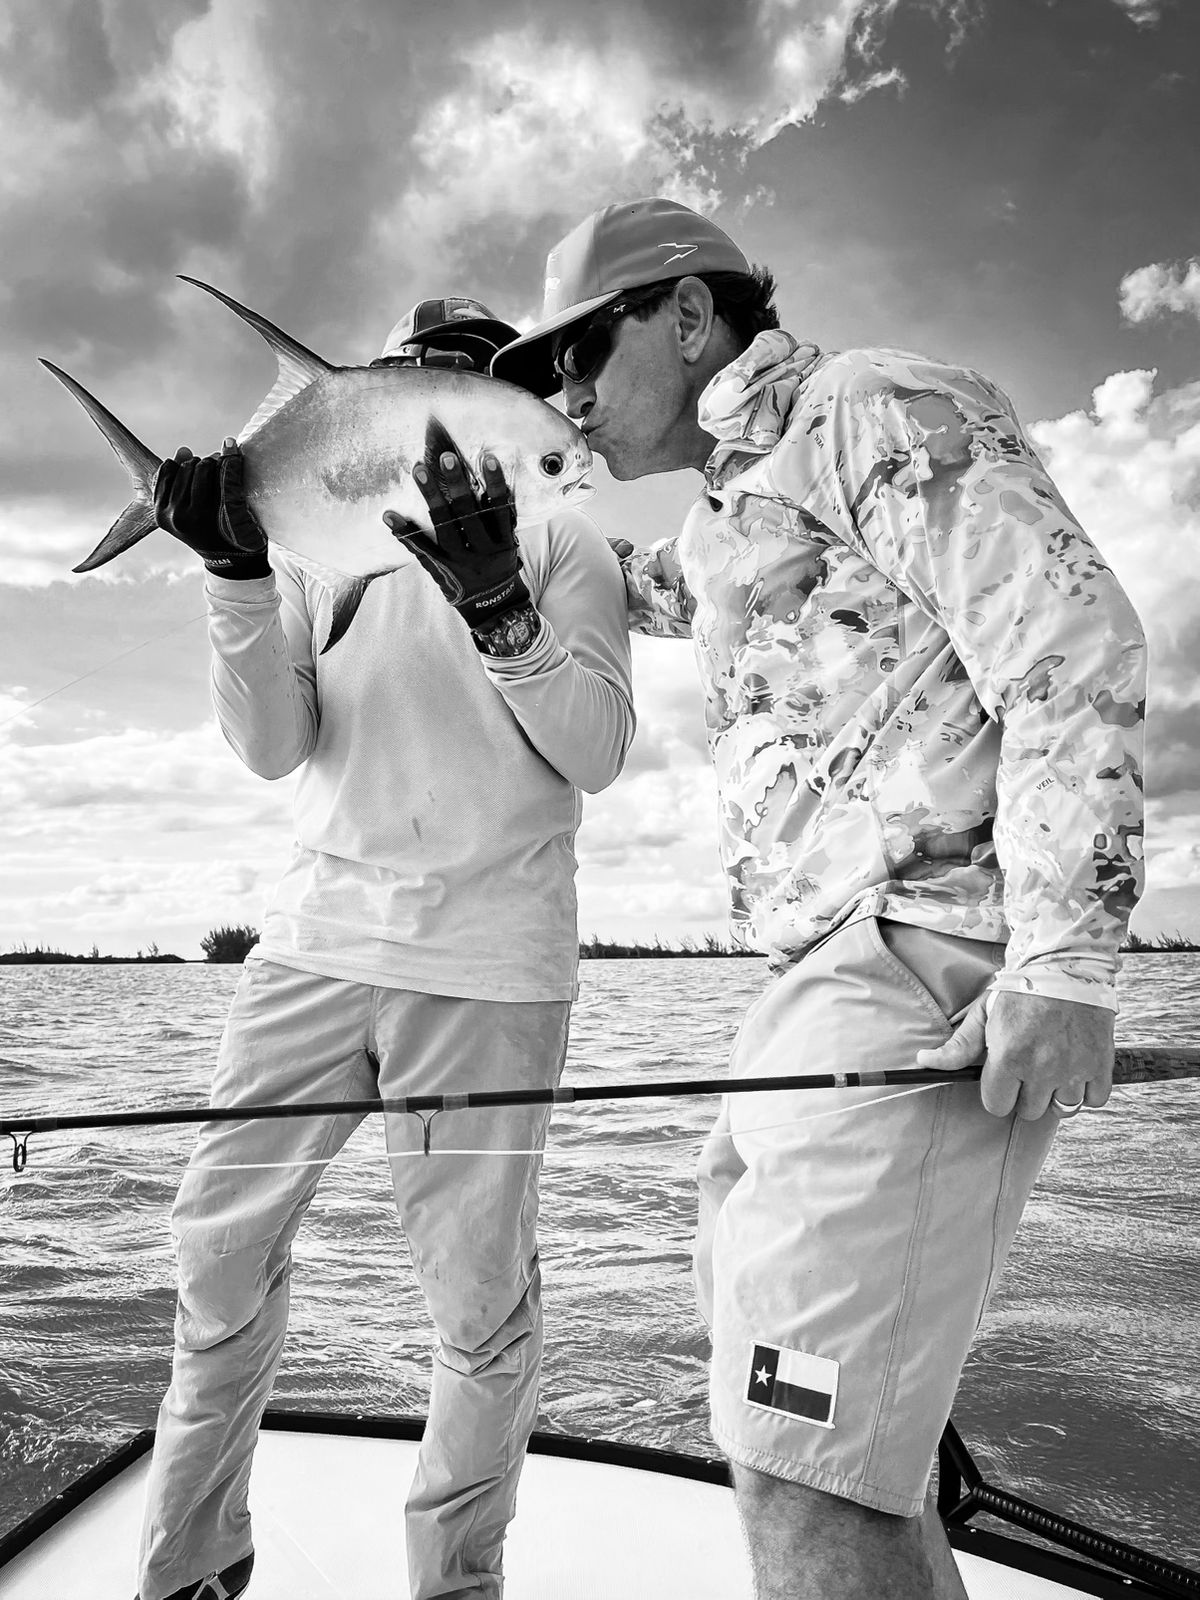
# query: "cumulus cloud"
[[329, 174], [1161, 288], [1178, 866], [135, 836], [1144, 12], [647, 848], [1130, 470]]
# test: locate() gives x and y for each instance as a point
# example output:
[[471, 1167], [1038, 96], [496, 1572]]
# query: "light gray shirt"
[[439, 789]]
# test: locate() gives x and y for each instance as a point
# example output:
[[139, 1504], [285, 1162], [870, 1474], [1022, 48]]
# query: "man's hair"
[[744, 301]]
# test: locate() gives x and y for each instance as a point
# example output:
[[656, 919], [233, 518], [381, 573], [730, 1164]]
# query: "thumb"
[[620, 548], [966, 1046], [401, 527]]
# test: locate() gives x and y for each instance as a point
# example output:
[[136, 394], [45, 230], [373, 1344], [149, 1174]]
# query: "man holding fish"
[[925, 699], [423, 938]]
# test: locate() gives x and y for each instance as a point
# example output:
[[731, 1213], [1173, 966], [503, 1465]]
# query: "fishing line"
[[1132, 1064], [92, 671], [624, 1152]]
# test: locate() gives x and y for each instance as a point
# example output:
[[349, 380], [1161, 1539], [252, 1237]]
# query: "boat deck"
[[328, 1519]]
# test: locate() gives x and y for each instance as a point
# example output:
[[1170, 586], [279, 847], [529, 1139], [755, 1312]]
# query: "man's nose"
[[578, 399]]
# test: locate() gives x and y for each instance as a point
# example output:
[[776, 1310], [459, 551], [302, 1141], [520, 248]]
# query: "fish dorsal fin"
[[298, 365]]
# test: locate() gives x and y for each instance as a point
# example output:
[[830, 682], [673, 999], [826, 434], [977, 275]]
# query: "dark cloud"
[[302, 221], [1172, 751], [70, 58], [59, 58]]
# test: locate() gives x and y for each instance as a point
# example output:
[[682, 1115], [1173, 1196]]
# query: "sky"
[[1008, 184]]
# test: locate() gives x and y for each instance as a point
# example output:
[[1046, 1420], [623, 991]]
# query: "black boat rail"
[[1113, 1570], [963, 1493]]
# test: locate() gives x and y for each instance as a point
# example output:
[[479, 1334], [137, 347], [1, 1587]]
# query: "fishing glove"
[[472, 554], [201, 501]]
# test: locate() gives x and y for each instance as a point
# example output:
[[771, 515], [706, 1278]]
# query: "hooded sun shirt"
[[924, 687]]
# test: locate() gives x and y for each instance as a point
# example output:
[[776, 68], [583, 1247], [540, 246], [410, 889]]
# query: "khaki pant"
[[470, 1223], [846, 1250]]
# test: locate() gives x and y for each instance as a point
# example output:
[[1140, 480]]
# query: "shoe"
[[227, 1584]]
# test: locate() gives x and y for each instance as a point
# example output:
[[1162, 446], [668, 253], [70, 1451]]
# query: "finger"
[[183, 453], [1000, 1090], [495, 485], [457, 485], [229, 446], [1066, 1099], [422, 544], [230, 470], [431, 491], [1097, 1093], [965, 1047], [204, 488], [401, 527], [164, 481]]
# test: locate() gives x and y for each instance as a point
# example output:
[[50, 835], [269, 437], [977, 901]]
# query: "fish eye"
[[553, 464]]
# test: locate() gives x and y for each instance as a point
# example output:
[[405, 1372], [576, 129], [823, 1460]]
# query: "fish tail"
[[142, 465]]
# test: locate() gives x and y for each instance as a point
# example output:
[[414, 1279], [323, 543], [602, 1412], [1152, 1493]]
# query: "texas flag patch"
[[797, 1384]]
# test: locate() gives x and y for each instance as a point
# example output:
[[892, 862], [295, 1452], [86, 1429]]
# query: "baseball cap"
[[450, 315], [618, 247]]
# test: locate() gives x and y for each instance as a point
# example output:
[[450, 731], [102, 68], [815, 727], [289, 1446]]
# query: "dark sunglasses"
[[579, 357]]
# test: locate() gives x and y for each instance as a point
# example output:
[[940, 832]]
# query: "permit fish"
[[331, 448]]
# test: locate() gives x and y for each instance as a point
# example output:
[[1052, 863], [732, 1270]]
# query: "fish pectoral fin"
[[134, 523], [298, 365], [347, 597]]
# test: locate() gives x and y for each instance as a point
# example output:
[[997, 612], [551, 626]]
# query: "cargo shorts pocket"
[[944, 971]]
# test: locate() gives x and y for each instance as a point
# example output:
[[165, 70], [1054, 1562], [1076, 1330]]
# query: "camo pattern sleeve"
[[659, 600], [923, 471]]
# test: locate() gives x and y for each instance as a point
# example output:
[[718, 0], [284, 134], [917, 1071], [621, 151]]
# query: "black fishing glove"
[[472, 554], [201, 501]]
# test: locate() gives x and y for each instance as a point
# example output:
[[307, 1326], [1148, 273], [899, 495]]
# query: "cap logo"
[[680, 250], [462, 314]]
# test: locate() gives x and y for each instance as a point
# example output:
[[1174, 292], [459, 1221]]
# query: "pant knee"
[[487, 1326], [221, 1295]]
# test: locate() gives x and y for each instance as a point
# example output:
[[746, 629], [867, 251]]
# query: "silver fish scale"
[[324, 467]]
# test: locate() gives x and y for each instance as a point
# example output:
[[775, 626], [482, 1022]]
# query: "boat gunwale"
[[1017, 1554]]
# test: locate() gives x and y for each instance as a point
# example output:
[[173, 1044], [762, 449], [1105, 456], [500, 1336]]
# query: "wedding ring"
[[1066, 1108]]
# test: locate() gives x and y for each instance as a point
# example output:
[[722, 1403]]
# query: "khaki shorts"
[[849, 1239]]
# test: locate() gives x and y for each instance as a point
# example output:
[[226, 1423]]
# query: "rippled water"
[[1082, 1392]]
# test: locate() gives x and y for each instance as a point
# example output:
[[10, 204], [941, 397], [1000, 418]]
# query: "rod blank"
[[1134, 1064]]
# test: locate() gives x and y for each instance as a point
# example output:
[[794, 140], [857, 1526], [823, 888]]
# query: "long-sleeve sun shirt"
[[439, 789], [925, 689]]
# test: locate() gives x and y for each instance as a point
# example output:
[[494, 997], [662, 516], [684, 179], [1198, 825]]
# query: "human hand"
[[1038, 1054], [472, 554], [201, 501]]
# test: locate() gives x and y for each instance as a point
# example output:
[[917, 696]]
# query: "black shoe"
[[227, 1584]]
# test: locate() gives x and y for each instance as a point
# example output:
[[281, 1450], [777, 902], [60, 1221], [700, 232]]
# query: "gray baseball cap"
[[617, 248]]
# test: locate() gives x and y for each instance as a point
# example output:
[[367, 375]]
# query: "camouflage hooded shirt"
[[924, 687]]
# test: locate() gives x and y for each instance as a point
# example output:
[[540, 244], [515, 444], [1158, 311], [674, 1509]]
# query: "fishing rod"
[[1136, 1064]]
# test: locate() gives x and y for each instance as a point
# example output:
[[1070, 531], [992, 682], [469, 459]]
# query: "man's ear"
[[694, 318]]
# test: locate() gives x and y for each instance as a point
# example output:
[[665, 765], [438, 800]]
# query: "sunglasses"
[[579, 358]]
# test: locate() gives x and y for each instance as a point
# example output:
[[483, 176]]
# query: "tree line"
[[233, 943]]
